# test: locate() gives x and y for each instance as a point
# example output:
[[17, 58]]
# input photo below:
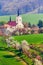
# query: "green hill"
[[32, 18], [9, 56], [33, 38]]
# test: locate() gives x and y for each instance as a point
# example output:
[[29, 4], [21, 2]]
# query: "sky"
[[10, 7]]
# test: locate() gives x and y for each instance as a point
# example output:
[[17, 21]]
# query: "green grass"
[[6, 58], [32, 18], [34, 38]]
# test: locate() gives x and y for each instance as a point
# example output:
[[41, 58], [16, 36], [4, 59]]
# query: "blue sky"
[[10, 7]]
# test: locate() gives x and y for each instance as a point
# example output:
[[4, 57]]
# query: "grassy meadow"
[[9, 56], [32, 18], [32, 38]]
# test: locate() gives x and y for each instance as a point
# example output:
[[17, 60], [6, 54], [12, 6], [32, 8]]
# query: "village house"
[[1, 30], [26, 30], [41, 30], [35, 30], [1, 33]]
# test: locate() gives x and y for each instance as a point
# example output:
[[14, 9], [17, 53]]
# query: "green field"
[[8, 55], [34, 38], [32, 18]]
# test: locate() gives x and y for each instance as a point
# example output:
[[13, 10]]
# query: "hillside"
[[10, 56], [32, 18], [34, 38]]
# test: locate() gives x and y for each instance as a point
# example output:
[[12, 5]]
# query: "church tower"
[[19, 20]]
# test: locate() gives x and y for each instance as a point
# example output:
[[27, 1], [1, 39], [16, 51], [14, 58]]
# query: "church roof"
[[12, 23]]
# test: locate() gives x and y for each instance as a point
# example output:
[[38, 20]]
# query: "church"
[[14, 26], [18, 23]]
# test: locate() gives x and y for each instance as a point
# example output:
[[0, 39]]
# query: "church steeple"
[[18, 12], [18, 18]]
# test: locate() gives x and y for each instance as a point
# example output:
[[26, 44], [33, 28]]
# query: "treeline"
[[40, 24]]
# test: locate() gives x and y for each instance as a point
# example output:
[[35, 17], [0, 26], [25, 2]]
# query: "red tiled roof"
[[12, 23]]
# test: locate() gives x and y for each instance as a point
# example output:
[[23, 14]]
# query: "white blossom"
[[37, 62]]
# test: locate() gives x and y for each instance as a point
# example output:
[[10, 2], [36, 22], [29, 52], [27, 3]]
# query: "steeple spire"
[[18, 12]]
